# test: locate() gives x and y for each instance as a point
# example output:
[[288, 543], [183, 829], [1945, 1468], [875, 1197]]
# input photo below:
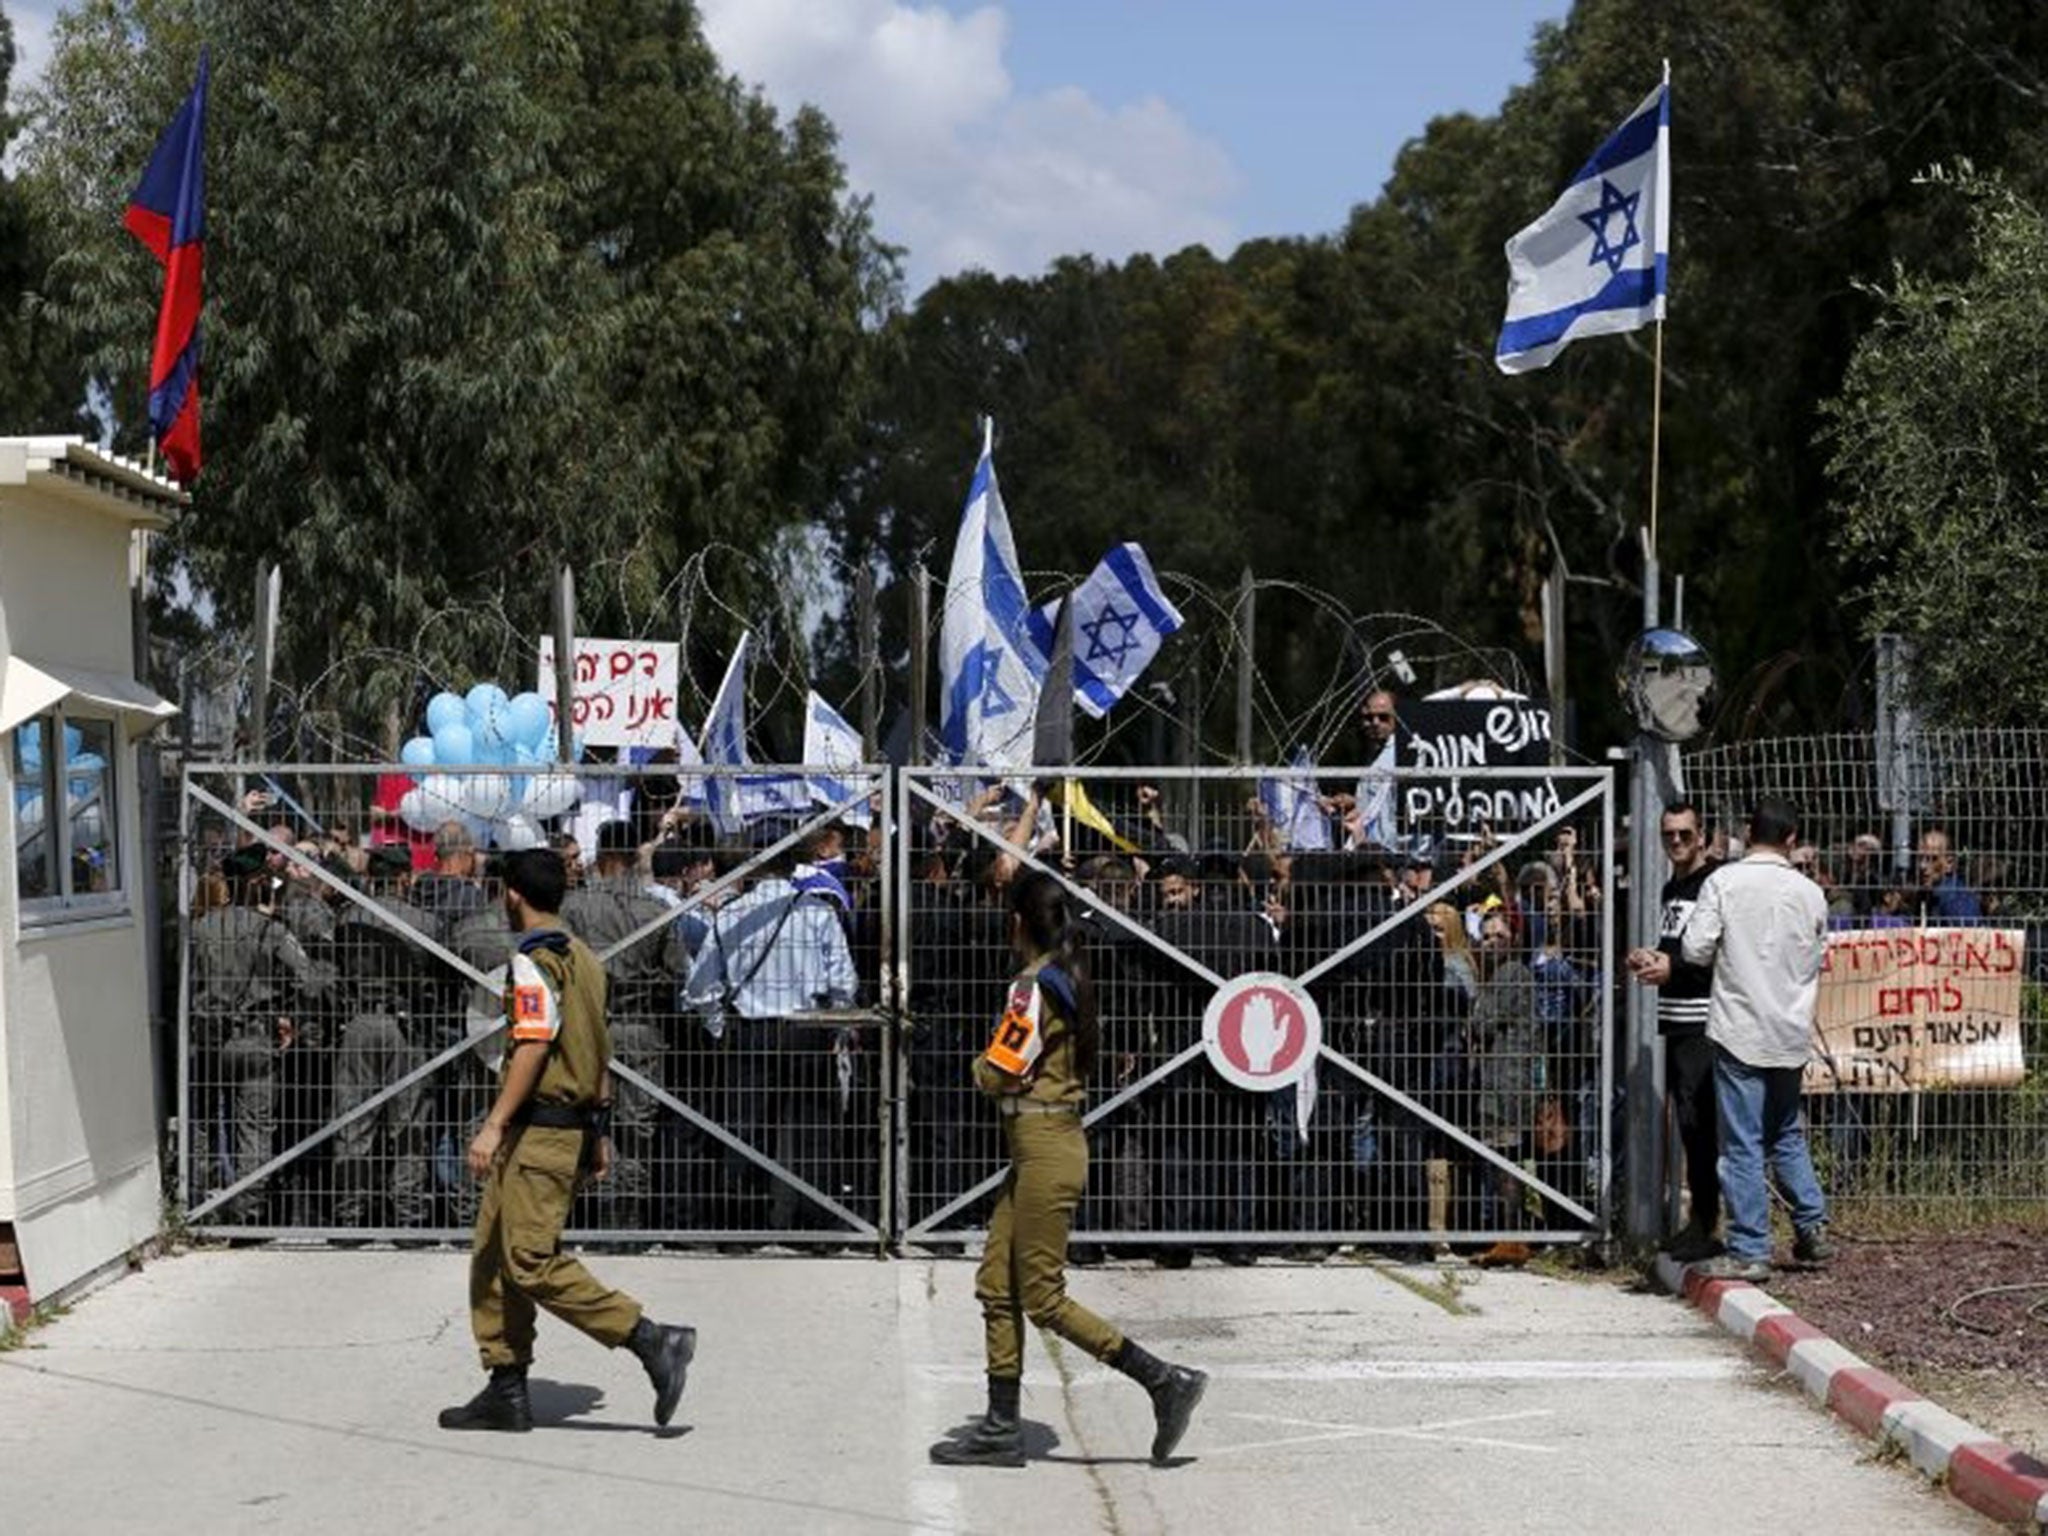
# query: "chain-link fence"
[[1926, 1096], [342, 981], [1460, 977], [800, 977]]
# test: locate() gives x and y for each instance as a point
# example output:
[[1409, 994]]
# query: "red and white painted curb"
[[1984, 1472]]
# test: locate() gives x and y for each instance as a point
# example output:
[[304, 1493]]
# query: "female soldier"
[[1035, 1069]]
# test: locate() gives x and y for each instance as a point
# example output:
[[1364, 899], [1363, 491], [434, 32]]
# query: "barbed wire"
[[797, 599]]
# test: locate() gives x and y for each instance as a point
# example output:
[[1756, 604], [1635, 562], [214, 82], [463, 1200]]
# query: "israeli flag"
[[1294, 805], [989, 666], [829, 742], [730, 798], [1121, 618], [1595, 263]]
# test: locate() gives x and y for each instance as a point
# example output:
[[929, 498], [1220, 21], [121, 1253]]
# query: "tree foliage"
[[34, 382], [1326, 408], [490, 289], [1940, 440]]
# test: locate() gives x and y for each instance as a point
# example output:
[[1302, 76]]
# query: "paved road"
[[262, 1391]]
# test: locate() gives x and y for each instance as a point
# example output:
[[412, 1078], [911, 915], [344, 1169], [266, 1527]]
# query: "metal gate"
[[336, 1003], [1461, 1092], [793, 1032]]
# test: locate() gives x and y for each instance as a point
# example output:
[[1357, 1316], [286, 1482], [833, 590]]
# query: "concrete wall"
[[79, 1175]]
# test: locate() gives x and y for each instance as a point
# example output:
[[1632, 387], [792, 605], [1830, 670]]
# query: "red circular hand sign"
[[1262, 1032]]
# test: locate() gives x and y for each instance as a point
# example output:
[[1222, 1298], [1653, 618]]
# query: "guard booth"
[[79, 1178]]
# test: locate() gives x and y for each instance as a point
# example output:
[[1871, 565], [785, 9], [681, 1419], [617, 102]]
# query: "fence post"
[[1647, 871], [565, 666], [868, 645], [1247, 601], [920, 660]]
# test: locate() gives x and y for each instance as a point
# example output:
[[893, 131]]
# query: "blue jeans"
[[1761, 1121]]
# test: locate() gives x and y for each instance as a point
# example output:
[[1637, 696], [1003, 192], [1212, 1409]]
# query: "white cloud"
[[32, 21], [965, 171]]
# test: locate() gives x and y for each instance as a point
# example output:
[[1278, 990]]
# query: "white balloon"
[[549, 794], [441, 797], [414, 812], [516, 831], [486, 795]]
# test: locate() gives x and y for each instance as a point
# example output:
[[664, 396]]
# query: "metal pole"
[[267, 588], [1648, 869], [869, 645], [1247, 600], [565, 666], [1553, 657], [920, 660], [1191, 748]]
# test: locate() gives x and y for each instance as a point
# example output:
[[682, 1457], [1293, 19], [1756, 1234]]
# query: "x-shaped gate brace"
[[856, 1225], [1600, 788]]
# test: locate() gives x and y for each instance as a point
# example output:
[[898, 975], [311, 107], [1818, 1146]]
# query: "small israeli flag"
[[831, 743], [1121, 618], [989, 666], [732, 798], [1595, 263], [1294, 805]]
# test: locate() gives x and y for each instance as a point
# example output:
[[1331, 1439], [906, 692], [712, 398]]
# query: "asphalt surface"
[[258, 1390]]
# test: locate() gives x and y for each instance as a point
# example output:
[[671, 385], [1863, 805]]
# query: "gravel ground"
[[1924, 1308]]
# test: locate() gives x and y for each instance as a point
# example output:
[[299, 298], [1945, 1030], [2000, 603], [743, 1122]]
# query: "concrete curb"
[[1984, 1472]]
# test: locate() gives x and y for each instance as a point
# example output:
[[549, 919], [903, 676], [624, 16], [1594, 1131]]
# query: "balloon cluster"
[[486, 729]]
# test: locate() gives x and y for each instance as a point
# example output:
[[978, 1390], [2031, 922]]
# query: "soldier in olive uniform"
[[610, 907], [484, 939], [549, 1124], [251, 981], [384, 976], [1036, 1069]]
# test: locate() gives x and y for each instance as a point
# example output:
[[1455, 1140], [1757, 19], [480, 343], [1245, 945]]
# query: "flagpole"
[[1656, 430]]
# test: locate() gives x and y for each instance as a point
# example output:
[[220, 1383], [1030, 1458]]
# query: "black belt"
[[555, 1117]]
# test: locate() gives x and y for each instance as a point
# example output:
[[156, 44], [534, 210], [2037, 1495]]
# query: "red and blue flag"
[[167, 213]]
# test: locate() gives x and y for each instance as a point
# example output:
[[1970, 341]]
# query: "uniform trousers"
[[1023, 1269], [517, 1265]]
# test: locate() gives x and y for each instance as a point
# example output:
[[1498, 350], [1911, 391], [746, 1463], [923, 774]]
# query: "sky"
[[1004, 135]]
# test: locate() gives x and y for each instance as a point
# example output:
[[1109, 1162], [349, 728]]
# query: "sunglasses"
[[1373, 714], [1680, 835]]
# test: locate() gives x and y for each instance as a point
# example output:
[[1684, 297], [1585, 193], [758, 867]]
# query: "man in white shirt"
[[1762, 926]]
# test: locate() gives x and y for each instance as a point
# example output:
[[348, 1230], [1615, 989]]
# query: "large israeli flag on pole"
[[831, 743], [1121, 618], [989, 666], [1595, 263]]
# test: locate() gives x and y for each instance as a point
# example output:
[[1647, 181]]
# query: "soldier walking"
[[549, 1125], [1036, 1069]]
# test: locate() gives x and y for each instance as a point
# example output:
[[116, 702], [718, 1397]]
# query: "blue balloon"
[[531, 719], [31, 749], [454, 745], [484, 701], [497, 752], [525, 755], [418, 753], [74, 738], [443, 709]]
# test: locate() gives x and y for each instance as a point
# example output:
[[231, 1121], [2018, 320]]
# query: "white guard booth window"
[[79, 1179]]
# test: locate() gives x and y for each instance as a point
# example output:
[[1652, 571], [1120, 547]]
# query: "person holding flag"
[[167, 213]]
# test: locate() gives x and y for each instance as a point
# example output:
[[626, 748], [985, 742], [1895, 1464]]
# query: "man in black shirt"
[[1682, 992]]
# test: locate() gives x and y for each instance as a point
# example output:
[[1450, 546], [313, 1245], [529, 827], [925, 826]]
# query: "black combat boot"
[[1175, 1389], [666, 1352], [996, 1440], [502, 1405]]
